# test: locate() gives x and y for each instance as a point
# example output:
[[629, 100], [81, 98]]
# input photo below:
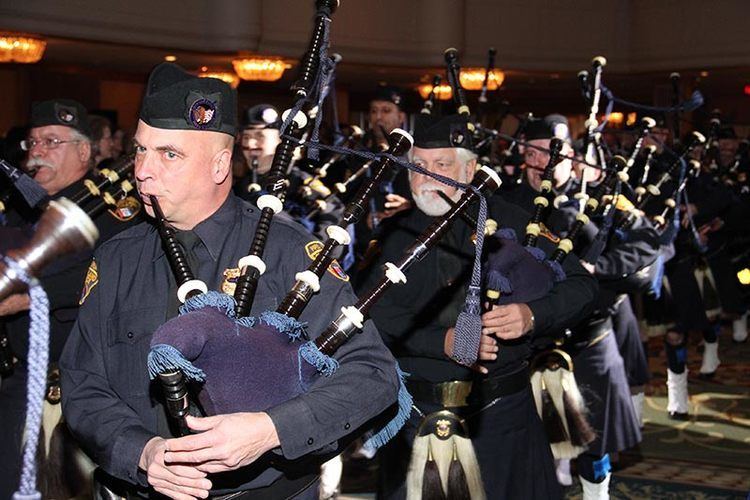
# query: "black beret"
[[177, 100], [450, 131], [390, 94], [65, 112], [548, 127], [261, 115]]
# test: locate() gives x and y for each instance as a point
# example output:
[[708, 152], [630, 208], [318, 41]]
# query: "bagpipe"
[[646, 193], [63, 228]]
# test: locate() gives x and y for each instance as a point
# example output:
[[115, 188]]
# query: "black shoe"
[[706, 376], [674, 415]]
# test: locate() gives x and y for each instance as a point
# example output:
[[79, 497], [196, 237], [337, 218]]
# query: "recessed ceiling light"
[[170, 58]]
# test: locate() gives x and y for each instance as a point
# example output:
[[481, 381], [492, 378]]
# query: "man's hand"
[[226, 442], [394, 204], [591, 268], [507, 322], [487, 348], [180, 482], [688, 211], [14, 304]]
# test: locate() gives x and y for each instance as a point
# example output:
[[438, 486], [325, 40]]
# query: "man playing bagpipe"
[[59, 153], [593, 345], [183, 150], [490, 403], [308, 200]]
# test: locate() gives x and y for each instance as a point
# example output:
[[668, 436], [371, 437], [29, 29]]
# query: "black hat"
[[177, 100], [548, 127], [390, 94], [450, 131], [261, 116], [65, 112]]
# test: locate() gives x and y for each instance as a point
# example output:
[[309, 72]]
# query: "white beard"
[[429, 202]]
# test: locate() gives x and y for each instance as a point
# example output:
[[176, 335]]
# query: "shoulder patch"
[[313, 248], [92, 279], [126, 209], [230, 280], [544, 231]]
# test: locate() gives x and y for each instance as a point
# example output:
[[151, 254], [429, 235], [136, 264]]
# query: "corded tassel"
[[468, 331], [432, 486], [579, 429], [458, 488], [553, 424]]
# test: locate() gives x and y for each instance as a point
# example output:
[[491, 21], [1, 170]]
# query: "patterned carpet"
[[704, 458]]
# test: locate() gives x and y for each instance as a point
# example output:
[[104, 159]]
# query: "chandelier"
[[21, 49], [473, 78], [226, 76], [442, 92], [260, 68]]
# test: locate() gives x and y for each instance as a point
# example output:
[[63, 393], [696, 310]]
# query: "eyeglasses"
[[29, 144]]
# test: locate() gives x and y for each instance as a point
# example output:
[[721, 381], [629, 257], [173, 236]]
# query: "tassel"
[[553, 424], [32, 193], [468, 331], [458, 489], [579, 429], [432, 486]]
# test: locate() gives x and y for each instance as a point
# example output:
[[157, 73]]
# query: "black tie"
[[189, 242]]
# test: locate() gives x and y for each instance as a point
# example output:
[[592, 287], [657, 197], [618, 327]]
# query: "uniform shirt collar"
[[214, 230]]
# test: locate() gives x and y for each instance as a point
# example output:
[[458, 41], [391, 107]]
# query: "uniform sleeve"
[[107, 428], [569, 301], [63, 281], [396, 314], [364, 385]]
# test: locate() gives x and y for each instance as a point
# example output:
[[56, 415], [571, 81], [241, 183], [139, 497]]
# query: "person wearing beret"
[[183, 145], [418, 322], [59, 152], [606, 348], [305, 195]]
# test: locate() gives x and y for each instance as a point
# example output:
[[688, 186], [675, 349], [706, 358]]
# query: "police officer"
[[183, 146], [599, 366], [417, 322], [308, 200], [59, 151]]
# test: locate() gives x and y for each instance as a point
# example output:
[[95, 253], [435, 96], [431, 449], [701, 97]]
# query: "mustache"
[[38, 162]]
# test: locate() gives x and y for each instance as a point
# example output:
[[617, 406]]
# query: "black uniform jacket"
[[63, 280], [108, 401], [413, 318]]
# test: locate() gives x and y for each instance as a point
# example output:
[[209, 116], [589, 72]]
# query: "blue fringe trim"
[[247, 321], [325, 365], [537, 253], [497, 281], [220, 301], [557, 270], [283, 323], [165, 357], [506, 233], [405, 403]]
